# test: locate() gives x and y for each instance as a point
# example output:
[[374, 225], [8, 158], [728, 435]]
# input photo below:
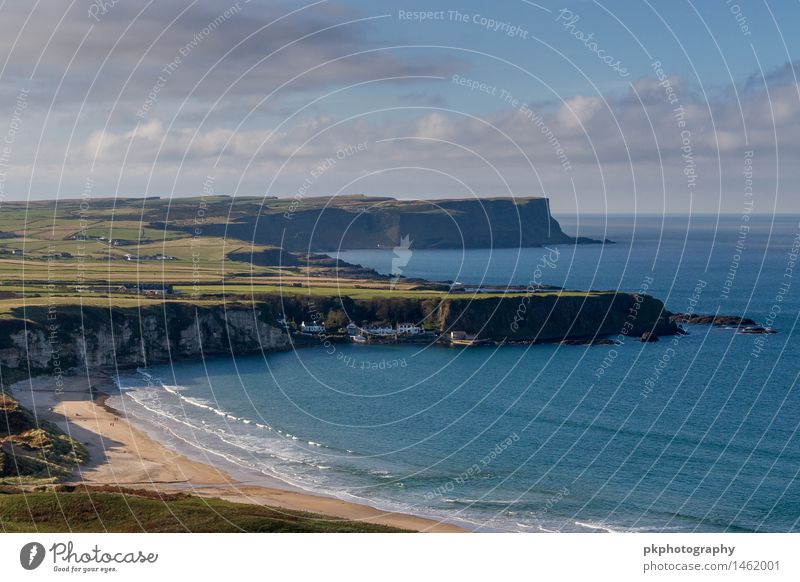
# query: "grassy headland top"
[[307, 224], [219, 245]]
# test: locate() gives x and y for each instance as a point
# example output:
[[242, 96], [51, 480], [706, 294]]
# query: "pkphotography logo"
[[31, 555], [402, 255]]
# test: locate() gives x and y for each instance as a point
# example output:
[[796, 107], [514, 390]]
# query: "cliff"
[[118, 338], [101, 338], [359, 222], [548, 318]]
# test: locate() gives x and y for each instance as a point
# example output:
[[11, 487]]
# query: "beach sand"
[[122, 455]]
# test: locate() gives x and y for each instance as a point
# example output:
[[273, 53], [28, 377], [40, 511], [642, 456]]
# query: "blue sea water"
[[693, 433]]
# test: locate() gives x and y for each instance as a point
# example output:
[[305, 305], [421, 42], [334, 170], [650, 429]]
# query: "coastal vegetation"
[[33, 450], [112, 509]]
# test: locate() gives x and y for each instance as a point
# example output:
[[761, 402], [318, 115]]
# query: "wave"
[[168, 423], [149, 397], [177, 391], [483, 502], [597, 527], [200, 425]]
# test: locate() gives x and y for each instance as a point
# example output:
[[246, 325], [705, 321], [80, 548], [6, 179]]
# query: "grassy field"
[[358, 292], [6, 305], [132, 511], [60, 254], [241, 295], [315, 290], [48, 250]]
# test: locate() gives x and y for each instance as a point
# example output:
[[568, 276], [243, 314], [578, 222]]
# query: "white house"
[[379, 330], [311, 327], [352, 329], [408, 329]]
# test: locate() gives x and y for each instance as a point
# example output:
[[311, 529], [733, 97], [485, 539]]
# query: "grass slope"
[[32, 450], [88, 510]]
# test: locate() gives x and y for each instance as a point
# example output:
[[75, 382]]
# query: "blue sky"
[[681, 41], [507, 98]]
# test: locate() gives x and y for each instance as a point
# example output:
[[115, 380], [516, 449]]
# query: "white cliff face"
[[238, 329], [131, 337]]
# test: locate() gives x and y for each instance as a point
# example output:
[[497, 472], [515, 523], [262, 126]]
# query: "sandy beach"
[[122, 455]]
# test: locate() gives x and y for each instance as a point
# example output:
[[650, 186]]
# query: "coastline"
[[123, 455]]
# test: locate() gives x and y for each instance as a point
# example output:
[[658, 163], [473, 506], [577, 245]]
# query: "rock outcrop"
[[552, 317], [705, 319]]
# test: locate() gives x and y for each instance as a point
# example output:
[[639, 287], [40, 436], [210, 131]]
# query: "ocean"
[[693, 433]]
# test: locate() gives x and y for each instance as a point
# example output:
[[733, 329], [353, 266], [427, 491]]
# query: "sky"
[[604, 107]]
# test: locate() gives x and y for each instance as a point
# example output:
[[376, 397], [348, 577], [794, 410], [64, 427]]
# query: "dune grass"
[[88, 510]]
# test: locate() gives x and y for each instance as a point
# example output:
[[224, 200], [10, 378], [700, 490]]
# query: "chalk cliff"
[[129, 337]]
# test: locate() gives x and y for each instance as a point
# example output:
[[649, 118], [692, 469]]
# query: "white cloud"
[[577, 112]]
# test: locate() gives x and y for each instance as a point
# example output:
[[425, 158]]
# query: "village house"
[[309, 328], [408, 329], [149, 289], [379, 330]]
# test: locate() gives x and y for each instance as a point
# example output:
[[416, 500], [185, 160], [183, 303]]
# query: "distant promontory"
[[363, 222]]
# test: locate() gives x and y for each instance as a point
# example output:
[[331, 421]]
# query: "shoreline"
[[123, 455]]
